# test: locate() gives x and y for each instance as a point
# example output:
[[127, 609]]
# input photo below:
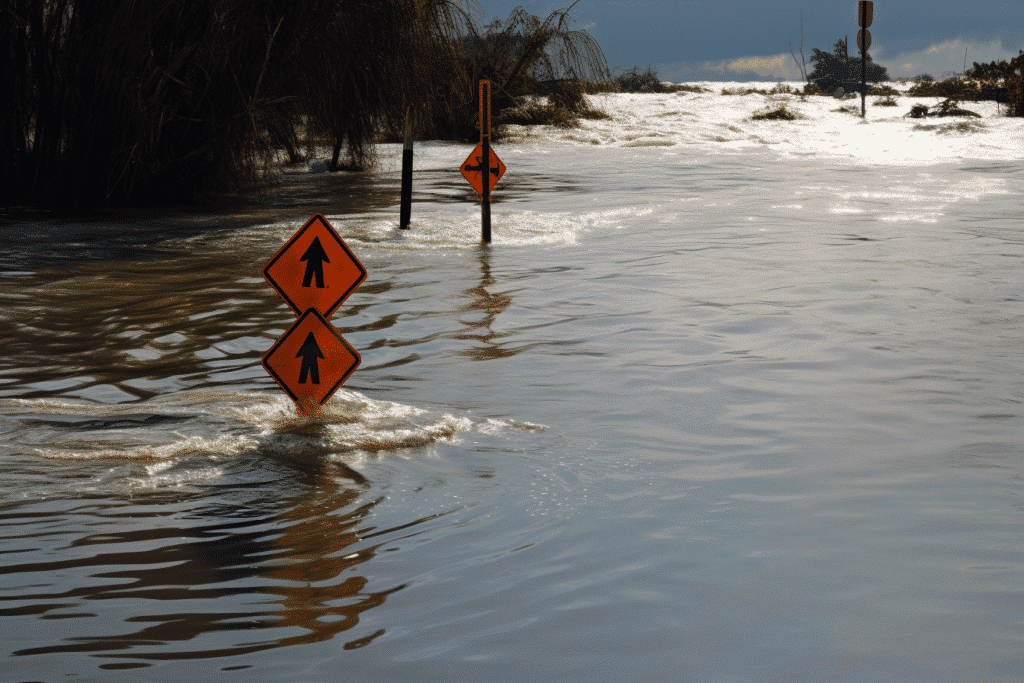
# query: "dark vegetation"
[[636, 80], [121, 102], [838, 69], [779, 113], [108, 101]]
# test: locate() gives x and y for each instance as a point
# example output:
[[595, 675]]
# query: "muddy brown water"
[[727, 423]]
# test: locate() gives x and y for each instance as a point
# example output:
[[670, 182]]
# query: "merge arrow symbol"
[[315, 258], [309, 352]]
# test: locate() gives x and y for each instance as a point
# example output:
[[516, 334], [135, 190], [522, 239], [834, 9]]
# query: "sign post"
[[314, 272], [485, 142], [865, 8], [484, 174], [406, 205]]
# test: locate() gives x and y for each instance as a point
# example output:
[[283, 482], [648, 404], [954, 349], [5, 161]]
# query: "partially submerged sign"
[[311, 360], [315, 269], [314, 272], [483, 167]]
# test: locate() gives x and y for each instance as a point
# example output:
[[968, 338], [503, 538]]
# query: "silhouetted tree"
[[1009, 75], [833, 70], [524, 55], [114, 101]]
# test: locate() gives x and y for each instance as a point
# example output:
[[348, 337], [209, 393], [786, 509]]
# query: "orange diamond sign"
[[473, 169], [315, 269], [311, 360]]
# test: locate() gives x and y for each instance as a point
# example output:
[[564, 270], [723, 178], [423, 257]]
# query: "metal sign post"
[[485, 142], [488, 169], [406, 208], [865, 8]]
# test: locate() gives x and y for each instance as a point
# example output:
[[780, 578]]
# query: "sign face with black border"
[[311, 360], [315, 269], [472, 169]]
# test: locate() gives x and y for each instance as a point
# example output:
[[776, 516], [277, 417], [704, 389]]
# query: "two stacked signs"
[[314, 272]]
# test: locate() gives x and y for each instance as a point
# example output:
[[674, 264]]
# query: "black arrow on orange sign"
[[479, 168], [309, 352], [315, 258]]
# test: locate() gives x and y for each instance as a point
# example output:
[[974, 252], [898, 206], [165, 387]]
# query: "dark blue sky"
[[744, 40]]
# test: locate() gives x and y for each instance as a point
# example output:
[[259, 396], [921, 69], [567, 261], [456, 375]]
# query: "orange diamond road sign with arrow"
[[311, 360], [473, 169], [313, 272], [315, 269]]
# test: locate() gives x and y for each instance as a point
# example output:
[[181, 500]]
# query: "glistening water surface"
[[690, 417]]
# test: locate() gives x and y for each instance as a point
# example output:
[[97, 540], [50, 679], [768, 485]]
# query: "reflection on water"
[[694, 431], [488, 306], [283, 579]]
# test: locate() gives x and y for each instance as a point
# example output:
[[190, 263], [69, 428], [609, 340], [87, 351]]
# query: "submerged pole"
[[485, 160], [406, 204]]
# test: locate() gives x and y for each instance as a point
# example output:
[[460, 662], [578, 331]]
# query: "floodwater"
[[690, 417]]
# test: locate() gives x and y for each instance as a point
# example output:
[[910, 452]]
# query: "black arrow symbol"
[[309, 351], [479, 168], [315, 258]]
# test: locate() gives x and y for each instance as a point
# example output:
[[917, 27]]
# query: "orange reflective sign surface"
[[315, 269], [865, 8], [864, 39], [472, 168], [311, 360]]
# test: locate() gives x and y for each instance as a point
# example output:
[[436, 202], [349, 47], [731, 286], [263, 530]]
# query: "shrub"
[[532, 113], [1008, 75], [957, 87], [834, 69], [744, 91], [568, 95], [780, 113], [886, 90], [918, 111], [638, 81], [684, 87]]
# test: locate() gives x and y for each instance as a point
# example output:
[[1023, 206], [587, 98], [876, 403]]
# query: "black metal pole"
[[485, 160], [405, 211], [485, 199], [863, 77]]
